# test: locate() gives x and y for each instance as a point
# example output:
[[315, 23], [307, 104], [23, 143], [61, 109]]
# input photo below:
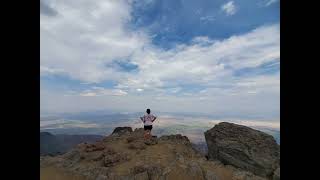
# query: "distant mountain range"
[[51, 144]]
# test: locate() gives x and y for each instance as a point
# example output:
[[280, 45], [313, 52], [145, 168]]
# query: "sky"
[[215, 57]]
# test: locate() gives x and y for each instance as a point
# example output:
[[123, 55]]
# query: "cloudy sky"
[[217, 57]]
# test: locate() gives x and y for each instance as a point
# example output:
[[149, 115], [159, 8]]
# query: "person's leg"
[[145, 135], [148, 134], [145, 132]]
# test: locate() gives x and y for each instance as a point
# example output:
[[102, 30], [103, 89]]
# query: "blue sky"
[[217, 57]]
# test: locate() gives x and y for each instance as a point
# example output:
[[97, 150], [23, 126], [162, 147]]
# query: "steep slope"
[[126, 155], [58, 144]]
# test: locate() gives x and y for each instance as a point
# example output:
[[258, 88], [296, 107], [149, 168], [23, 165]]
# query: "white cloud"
[[205, 61], [84, 38], [100, 91], [88, 94], [81, 45], [269, 2], [229, 8], [140, 90]]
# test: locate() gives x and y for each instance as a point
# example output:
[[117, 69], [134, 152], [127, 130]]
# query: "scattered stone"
[[194, 170], [209, 175], [109, 151], [137, 145], [111, 160], [139, 169], [141, 176], [102, 177], [151, 141], [94, 147], [130, 139]]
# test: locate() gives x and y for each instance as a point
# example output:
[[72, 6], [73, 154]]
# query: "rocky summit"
[[245, 148], [126, 155]]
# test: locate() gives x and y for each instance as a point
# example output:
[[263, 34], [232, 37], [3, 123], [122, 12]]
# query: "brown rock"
[[151, 141], [244, 148], [131, 139], [141, 176], [137, 145], [276, 174], [121, 130], [94, 147], [111, 160]]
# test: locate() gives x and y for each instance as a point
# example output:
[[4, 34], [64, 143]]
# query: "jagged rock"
[[276, 174], [102, 177], [109, 151], [110, 160], [95, 156], [209, 175], [184, 173], [151, 141], [244, 148], [94, 147], [137, 145], [139, 130], [176, 137], [73, 155], [141, 176], [138, 169], [194, 170], [152, 171], [155, 171], [121, 130], [131, 139]]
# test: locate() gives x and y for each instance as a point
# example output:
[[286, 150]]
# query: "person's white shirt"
[[148, 119]]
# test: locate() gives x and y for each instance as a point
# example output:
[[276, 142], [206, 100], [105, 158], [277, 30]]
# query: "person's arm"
[[154, 118], [142, 119]]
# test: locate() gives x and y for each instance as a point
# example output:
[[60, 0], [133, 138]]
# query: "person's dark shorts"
[[148, 127]]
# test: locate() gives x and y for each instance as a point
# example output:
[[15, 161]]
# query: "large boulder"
[[121, 130], [243, 147]]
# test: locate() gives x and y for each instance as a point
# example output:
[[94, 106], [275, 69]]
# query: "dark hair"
[[148, 111]]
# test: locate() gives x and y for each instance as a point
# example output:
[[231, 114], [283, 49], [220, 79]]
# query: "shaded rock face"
[[244, 148], [121, 130]]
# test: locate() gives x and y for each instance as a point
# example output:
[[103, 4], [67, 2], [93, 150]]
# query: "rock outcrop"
[[245, 148], [125, 155], [121, 130]]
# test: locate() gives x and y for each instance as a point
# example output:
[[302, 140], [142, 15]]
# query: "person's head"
[[148, 111]]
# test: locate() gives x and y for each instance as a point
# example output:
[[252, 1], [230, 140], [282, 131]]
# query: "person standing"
[[148, 120]]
